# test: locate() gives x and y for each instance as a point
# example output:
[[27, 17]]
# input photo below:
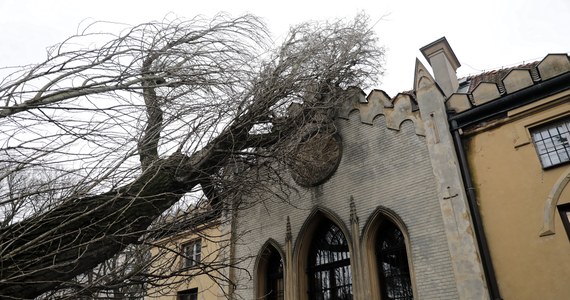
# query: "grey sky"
[[484, 34]]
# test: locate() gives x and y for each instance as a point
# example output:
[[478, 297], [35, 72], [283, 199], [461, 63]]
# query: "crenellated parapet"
[[395, 110], [491, 86]]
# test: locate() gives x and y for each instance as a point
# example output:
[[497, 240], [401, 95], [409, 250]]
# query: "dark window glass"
[[564, 210], [329, 264], [275, 283], [393, 270], [188, 295], [551, 142]]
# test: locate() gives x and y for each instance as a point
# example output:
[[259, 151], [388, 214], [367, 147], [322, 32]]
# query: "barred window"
[[551, 142], [393, 269], [192, 253], [329, 265]]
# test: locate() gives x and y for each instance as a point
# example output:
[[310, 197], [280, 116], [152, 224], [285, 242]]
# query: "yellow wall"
[[213, 249], [511, 190]]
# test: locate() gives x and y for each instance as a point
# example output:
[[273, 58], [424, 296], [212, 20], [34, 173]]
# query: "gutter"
[[520, 98], [476, 217], [480, 114]]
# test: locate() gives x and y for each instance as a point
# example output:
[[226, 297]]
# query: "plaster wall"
[[512, 189], [213, 248]]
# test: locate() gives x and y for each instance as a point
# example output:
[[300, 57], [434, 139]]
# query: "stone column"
[[468, 271]]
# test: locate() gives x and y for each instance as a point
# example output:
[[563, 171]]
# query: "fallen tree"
[[136, 120]]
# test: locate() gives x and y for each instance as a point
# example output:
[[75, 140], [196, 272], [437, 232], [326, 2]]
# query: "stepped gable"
[[395, 110], [489, 86]]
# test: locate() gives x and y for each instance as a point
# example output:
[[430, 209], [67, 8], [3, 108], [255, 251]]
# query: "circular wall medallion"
[[316, 158]]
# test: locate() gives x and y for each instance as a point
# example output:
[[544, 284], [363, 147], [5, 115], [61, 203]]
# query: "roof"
[[496, 76], [487, 87]]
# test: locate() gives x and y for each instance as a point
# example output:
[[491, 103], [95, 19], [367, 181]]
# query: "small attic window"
[[463, 85], [552, 142]]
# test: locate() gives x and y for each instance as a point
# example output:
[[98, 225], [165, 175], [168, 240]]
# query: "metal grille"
[[329, 265], [551, 143], [275, 283], [392, 260]]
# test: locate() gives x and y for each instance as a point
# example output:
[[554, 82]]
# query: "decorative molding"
[[535, 115], [552, 201], [353, 214], [288, 234], [422, 77]]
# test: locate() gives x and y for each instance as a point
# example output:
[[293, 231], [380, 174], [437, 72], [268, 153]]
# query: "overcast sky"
[[483, 34]]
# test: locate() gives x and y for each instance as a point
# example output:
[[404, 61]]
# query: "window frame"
[[326, 267], [554, 124], [190, 294], [274, 277], [564, 210], [395, 250], [191, 259]]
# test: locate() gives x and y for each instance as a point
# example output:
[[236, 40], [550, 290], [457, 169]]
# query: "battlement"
[[396, 110]]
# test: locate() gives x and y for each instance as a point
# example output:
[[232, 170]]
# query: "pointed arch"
[[386, 247], [322, 234], [270, 272]]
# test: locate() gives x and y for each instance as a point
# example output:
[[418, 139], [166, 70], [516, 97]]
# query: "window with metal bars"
[[552, 142], [392, 260], [275, 284], [330, 276]]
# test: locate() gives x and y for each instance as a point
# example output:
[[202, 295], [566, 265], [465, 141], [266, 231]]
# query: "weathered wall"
[[380, 167], [512, 191]]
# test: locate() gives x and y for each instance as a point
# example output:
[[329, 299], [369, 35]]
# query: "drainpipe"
[[476, 216]]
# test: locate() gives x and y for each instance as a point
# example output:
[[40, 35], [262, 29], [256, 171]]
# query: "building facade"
[[192, 263], [454, 190], [513, 126], [390, 222]]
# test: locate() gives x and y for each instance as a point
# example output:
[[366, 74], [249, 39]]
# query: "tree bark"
[[41, 252]]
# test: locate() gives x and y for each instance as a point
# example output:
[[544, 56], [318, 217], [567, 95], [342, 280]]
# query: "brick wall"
[[380, 167]]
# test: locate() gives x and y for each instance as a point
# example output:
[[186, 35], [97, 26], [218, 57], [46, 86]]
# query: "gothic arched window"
[[274, 277], [329, 271], [392, 260]]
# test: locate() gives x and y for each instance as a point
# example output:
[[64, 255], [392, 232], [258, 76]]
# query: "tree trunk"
[[83, 232]]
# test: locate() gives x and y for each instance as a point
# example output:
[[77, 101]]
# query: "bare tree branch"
[[140, 119]]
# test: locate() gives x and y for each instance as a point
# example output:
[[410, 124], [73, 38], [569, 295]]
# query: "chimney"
[[444, 63]]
